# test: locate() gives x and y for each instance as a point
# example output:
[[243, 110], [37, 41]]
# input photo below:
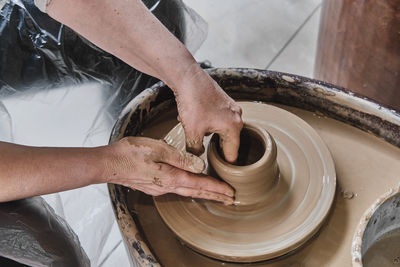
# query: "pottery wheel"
[[293, 212]]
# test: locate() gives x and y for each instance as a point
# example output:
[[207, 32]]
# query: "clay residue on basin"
[[360, 159], [376, 240]]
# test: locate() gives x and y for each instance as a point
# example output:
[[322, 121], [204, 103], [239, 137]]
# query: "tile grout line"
[[293, 36], [109, 253]]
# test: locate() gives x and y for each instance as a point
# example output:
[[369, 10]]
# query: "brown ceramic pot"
[[359, 48], [256, 170]]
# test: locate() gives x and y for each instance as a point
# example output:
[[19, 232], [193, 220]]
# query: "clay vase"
[[255, 172]]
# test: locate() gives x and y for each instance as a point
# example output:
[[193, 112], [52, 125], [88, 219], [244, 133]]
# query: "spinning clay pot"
[[255, 171]]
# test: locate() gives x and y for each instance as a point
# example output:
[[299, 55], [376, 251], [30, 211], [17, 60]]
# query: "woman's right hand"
[[156, 168]]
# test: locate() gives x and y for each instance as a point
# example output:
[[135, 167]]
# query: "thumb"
[[181, 159]]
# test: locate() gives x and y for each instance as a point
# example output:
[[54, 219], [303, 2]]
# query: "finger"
[[205, 182], [237, 109], [149, 189], [194, 143], [195, 193], [173, 177], [230, 143], [180, 159]]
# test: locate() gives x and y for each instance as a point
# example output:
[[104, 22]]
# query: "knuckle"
[[238, 121], [162, 145], [161, 154], [240, 111], [161, 151]]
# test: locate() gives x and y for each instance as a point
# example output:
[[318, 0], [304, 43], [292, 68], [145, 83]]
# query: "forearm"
[[129, 31], [29, 171]]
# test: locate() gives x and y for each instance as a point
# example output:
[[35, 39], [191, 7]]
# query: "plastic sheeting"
[[58, 89], [52, 243]]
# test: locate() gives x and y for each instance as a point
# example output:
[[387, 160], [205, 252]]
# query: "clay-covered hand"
[[205, 108], [156, 168]]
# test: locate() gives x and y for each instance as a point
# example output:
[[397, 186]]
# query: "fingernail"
[[231, 160], [236, 202], [228, 203]]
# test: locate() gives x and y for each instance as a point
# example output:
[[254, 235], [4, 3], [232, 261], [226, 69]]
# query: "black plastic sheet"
[[31, 233], [38, 52]]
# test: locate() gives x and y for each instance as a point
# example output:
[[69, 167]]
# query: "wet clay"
[[252, 147], [359, 160], [385, 252], [272, 216], [256, 171]]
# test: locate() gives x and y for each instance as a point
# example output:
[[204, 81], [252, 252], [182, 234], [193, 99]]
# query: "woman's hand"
[[156, 168], [132, 33], [205, 108], [138, 38]]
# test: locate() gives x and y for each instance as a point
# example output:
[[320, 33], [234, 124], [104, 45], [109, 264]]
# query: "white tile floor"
[[278, 35]]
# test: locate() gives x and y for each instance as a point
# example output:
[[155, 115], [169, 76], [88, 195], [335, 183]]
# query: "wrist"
[[105, 164], [189, 77]]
